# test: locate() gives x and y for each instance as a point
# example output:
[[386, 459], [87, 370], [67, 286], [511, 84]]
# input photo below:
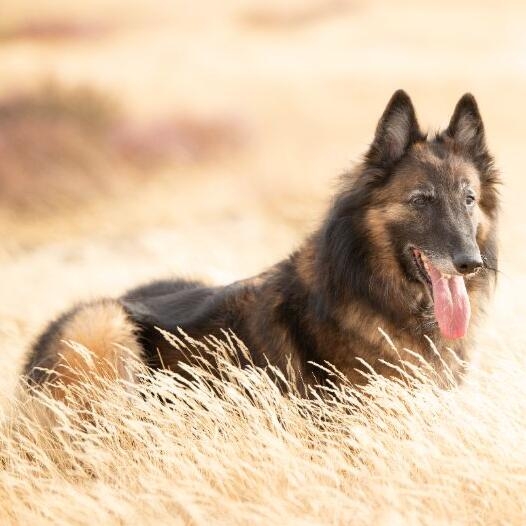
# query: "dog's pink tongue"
[[452, 308]]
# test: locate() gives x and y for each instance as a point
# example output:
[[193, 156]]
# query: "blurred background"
[[144, 139]]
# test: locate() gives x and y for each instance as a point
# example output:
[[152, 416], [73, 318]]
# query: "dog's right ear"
[[395, 132]]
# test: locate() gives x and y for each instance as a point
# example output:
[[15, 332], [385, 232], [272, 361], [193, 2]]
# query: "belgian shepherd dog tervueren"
[[408, 245]]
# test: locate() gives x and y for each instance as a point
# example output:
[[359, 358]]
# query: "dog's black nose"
[[467, 263]]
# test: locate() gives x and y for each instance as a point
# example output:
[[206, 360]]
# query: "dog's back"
[[113, 330]]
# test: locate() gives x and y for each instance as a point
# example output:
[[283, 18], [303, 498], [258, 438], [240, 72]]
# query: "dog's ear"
[[466, 127], [395, 132]]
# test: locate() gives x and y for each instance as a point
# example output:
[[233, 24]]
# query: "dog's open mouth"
[[420, 264], [450, 297]]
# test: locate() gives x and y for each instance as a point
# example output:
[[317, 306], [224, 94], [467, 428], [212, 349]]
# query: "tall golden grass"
[[234, 449]]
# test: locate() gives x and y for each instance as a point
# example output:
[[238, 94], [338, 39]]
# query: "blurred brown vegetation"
[[61, 147], [53, 30], [52, 146], [288, 15]]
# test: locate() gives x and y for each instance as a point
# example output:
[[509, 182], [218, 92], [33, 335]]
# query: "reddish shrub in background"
[[60, 146], [50, 30], [184, 139]]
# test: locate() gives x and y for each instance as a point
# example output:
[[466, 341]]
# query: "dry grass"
[[235, 450]]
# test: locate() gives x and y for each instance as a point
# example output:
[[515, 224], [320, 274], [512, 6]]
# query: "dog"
[[409, 245]]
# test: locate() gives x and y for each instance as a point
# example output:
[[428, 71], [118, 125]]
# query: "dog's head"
[[433, 202]]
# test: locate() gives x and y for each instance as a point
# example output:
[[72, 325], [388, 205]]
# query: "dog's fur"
[[350, 277]]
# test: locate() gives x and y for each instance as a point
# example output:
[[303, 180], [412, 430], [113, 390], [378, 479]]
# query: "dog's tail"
[[91, 341]]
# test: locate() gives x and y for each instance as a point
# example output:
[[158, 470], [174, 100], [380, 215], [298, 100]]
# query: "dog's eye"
[[420, 199], [470, 200]]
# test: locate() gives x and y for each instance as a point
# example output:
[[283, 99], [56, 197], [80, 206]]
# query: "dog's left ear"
[[466, 127], [395, 132]]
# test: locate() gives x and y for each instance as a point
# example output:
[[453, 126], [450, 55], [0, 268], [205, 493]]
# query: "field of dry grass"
[[211, 146]]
